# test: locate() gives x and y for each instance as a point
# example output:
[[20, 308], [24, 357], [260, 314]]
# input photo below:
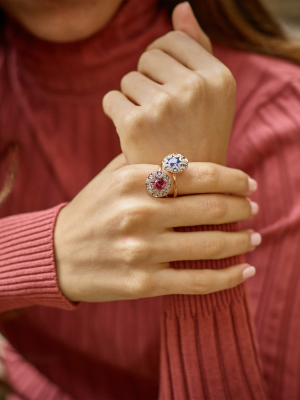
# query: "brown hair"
[[243, 24]]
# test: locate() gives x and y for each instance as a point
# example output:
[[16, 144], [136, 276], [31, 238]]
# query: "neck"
[[80, 66]]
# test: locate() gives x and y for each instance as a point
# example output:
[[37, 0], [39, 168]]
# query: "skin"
[[62, 20], [116, 244]]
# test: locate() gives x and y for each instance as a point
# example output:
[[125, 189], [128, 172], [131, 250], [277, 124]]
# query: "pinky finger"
[[184, 281]]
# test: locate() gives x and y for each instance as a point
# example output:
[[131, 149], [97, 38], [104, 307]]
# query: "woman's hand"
[[114, 241], [181, 99]]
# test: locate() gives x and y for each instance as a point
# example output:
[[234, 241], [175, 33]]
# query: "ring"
[[175, 163], [158, 184]]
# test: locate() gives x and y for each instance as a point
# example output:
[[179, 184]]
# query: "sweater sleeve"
[[208, 346], [208, 343], [27, 265], [271, 155]]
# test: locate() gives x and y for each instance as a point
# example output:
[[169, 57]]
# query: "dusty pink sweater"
[[179, 347]]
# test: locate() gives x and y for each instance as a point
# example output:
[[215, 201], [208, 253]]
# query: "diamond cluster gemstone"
[[158, 184], [175, 163]]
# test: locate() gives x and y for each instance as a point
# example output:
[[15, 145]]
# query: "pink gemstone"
[[159, 184]]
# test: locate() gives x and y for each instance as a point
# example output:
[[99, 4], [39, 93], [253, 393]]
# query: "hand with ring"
[[113, 241]]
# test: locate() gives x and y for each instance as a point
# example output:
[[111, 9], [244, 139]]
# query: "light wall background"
[[287, 12]]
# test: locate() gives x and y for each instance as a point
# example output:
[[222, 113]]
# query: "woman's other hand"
[[181, 99], [114, 241]]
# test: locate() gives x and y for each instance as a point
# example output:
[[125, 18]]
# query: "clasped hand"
[[113, 241]]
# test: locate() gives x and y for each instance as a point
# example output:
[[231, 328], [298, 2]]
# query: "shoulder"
[[267, 120], [259, 78]]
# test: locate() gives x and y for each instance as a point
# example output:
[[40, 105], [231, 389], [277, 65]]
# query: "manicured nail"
[[255, 239], [248, 272], [254, 207], [252, 184]]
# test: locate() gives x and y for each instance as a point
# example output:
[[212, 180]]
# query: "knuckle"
[[175, 35], [140, 285], [216, 207], [214, 247], [208, 173], [231, 281], [244, 241], [193, 87], [247, 208], [208, 43], [125, 178], [227, 79], [223, 83], [132, 123], [107, 101], [146, 58], [133, 252], [241, 180], [161, 103], [127, 79], [203, 284], [130, 219]]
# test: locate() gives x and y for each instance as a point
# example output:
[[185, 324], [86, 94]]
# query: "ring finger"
[[139, 88], [206, 209], [206, 245]]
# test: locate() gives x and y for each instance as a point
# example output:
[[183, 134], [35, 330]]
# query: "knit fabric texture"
[[238, 344]]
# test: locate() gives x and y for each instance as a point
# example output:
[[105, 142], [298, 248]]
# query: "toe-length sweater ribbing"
[[236, 344]]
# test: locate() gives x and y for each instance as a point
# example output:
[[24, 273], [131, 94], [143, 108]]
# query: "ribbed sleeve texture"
[[208, 348], [51, 105], [35, 386], [27, 265]]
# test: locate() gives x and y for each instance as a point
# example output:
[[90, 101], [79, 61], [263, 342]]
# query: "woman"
[[115, 242]]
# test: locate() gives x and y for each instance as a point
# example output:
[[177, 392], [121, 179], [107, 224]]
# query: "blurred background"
[[287, 12]]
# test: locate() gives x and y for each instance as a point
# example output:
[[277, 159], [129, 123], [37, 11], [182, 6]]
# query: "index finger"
[[186, 50], [184, 20], [199, 178]]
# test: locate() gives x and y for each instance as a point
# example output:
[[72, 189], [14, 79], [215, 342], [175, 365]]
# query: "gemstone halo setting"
[[175, 163], [158, 184]]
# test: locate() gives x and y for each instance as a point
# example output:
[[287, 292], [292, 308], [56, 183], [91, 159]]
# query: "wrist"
[[61, 254]]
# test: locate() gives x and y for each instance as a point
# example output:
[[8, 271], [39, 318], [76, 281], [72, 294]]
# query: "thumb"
[[184, 20]]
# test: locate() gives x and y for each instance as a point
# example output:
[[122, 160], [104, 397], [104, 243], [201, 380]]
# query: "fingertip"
[[248, 272], [184, 20], [252, 185], [183, 7], [181, 15], [254, 207], [255, 239]]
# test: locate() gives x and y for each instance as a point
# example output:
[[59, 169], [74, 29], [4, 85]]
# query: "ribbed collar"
[[78, 66]]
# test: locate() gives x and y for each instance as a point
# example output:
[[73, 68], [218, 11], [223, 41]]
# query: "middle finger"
[[205, 209]]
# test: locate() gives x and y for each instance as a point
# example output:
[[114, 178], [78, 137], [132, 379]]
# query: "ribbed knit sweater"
[[237, 344]]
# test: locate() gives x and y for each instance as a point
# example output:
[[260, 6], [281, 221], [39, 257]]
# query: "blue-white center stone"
[[174, 162]]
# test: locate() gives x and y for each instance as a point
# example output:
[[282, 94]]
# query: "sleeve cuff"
[[27, 265]]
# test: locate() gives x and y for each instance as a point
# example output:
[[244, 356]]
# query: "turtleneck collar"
[[77, 66]]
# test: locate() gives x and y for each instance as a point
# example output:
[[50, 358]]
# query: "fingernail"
[[254, 207], [255, 239], [248, 272], [252, 184]]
